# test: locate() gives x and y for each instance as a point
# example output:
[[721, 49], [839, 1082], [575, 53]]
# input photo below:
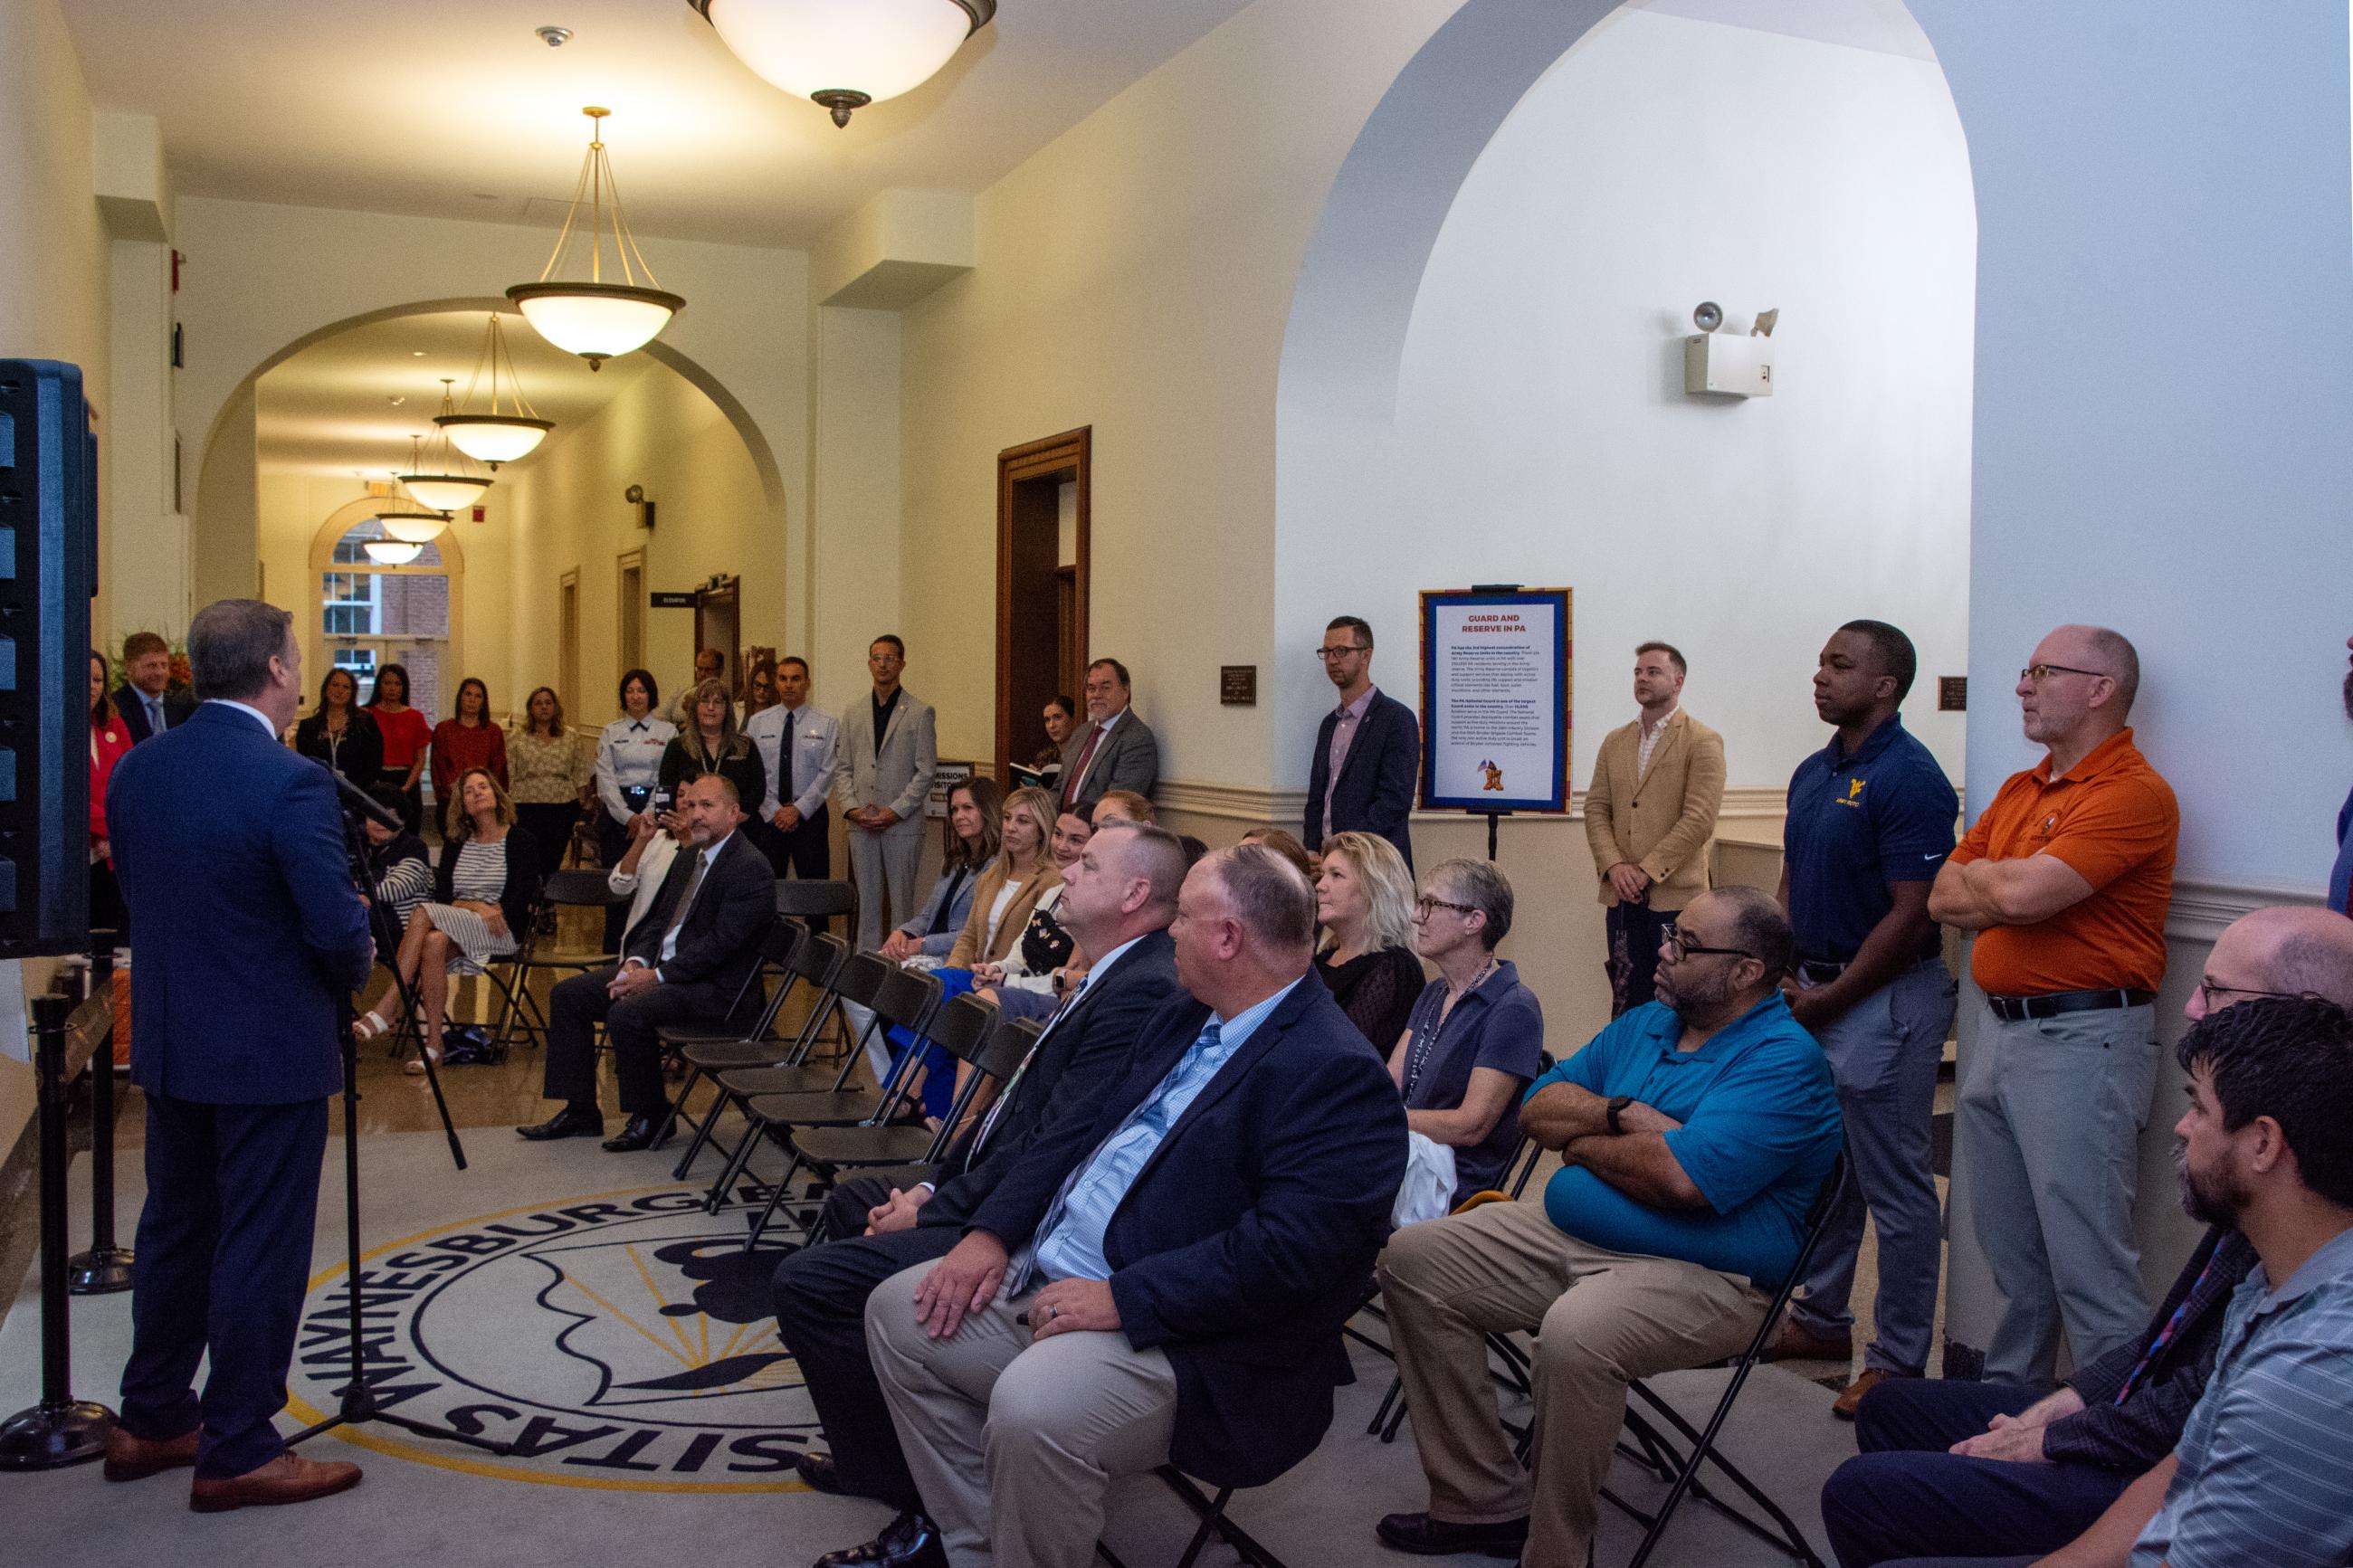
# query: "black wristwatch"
[[1618, 1102]]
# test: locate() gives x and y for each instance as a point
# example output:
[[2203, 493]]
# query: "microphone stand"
[[359, 1402]]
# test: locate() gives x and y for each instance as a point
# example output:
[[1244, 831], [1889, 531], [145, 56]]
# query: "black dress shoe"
[[910, 1541], [638, 1134], [821, 1474], [1426, 1537], [567, 1123]]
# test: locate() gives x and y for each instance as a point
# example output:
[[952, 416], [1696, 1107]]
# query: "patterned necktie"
[[1079, 771], [685, 902], [2168, 1334], [1013, 1084]]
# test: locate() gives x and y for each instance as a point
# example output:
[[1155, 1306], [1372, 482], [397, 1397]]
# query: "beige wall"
[[53, 279]]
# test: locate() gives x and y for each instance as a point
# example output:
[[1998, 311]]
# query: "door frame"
[[1067, 458]]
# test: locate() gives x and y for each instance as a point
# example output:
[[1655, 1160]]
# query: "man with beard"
[[1955, 1471], [2340, 875], [1695, 1133]]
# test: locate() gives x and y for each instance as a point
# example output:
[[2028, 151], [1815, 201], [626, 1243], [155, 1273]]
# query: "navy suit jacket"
[[1248, 1238], [1375, 791], [246, 930], [719, 946], [1081, 1059], [132, 703]]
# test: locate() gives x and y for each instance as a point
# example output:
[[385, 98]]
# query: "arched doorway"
[[368, 614]]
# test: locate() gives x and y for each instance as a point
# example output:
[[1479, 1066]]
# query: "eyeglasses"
[[1422, 906], [1682, 947], [2214, 994], [2039, 673], [1328, 654]]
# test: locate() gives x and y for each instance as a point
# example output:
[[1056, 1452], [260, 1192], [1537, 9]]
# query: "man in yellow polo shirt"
[[2066, 878]]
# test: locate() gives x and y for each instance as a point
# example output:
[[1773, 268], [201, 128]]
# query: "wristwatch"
[[1618, 1102]]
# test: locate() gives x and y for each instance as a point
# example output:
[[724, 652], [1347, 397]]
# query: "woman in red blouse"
[[406, 736], [110, 739], [467, 741]]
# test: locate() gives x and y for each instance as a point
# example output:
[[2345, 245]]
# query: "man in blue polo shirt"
[[1694, 1133], [1869, 821]]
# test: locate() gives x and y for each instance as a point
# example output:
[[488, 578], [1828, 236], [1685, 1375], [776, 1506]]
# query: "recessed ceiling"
[[455, 109], [327, 409]]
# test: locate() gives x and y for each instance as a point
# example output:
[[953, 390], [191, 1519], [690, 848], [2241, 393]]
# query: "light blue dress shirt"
[[1071, 1238]]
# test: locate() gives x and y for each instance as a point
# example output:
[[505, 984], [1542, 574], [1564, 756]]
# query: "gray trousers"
[[883, 865], [1884, 1051], [2047, 1135], [1013, 1443]]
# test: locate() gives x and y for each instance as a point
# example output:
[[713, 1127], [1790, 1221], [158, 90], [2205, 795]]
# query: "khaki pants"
[[1013, 1443], [1602, 1318]]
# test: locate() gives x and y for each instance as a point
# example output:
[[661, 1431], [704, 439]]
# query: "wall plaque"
[[1952, 694], [1238, 685]]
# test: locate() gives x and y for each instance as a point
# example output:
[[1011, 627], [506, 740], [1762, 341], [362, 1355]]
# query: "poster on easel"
[[1495, 700]]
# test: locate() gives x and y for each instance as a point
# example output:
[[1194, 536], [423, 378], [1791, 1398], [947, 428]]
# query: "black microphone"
[[366, 805]]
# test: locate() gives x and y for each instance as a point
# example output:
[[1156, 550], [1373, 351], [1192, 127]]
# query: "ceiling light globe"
[[594, 320], [412, 527], [444, 492], [846, 54], [392, 552], [494, 439]]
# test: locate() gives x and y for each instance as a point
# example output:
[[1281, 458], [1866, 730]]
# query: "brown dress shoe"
[[1795, 1343], [1850, 1400], [130, 1459], [282, 1480]]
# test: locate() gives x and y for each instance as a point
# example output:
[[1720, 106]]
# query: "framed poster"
[[1495, 700]]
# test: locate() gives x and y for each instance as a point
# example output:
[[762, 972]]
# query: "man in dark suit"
[[1117, 900], [1114, 749], [691, 956], [1368, 751], [1165, 1282], [148, 704], [239, 962]]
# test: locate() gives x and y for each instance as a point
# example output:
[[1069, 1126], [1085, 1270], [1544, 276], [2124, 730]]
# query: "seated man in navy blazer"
[[241, 959], [1165, 1281], [1367, 749], [691, 956], [1117, 900]]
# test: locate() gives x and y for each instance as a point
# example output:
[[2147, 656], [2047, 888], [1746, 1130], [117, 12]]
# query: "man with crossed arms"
[[1165, 1283]]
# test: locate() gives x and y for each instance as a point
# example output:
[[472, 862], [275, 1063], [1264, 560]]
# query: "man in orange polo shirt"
[[2066, 878]]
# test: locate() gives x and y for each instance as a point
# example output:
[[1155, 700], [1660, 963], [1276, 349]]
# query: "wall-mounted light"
[[1720, 364]]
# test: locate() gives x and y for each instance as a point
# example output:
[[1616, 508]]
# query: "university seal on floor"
[[624, 1341]]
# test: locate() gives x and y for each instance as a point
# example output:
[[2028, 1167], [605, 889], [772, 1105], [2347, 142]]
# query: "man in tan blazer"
[[1649, 812], [889, 755]]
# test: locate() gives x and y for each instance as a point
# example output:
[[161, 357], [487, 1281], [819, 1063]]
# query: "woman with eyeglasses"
[[1475, 1039], [1364, 900]]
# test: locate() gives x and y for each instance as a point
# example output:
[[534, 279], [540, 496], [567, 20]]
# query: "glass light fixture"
[[494, 438], [392, 552], [413, 527], [597, 320], [438, 479], [845, 54]]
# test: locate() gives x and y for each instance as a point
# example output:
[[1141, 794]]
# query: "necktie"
[[1078, 773], [785, 791], [1013, 1084], [2166, 1335], [154, 714], [685, 902]]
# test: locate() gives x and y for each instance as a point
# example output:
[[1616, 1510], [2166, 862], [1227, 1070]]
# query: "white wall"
[[1542, 433]]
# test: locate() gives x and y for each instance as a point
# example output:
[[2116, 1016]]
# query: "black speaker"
[[48, 569]]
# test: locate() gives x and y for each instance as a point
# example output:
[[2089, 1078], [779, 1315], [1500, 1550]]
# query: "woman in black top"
[[1364, 896], [342, 734], [712, 744]]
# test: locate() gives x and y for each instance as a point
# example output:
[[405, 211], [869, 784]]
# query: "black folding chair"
[[1680, 1467], [562, 891], [817, 901], [739, 1045]]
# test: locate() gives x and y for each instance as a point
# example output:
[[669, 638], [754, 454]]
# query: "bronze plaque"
[[1952, 694], [1238, 685]]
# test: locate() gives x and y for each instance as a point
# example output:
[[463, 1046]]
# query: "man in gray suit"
[[888, 755], [1116, 750]]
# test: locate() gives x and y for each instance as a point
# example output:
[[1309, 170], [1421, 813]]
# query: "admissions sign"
[[1495, 700]]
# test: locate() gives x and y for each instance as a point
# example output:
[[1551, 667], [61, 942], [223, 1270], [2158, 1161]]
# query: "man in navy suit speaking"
[[1164, 1281], [246, 930]]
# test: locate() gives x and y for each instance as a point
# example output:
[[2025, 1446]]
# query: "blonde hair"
[[1388, 886], [1039, 807], [690, 735], [462, 825]]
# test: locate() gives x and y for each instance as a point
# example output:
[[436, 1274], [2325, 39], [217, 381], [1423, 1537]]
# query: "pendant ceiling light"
[[845, 54], [413, 527], [597, 320], [392, 552], [494, 438], [438, 476]]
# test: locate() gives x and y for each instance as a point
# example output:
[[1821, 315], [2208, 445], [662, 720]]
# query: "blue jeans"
[[1904, 1499], [1884, 1052]]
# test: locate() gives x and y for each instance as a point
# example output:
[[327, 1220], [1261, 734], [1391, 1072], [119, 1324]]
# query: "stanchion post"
[[60, 1430], [105, 1269]]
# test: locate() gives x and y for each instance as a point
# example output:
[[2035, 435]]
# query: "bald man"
[[1955, 1471], [2066, 878]]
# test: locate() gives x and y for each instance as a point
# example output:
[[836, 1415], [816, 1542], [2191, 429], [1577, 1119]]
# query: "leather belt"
[[2051, 1004]]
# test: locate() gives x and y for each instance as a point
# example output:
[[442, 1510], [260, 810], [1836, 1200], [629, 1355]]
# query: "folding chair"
[[893, 998], [960, 1026], [817, 901], [1681, 1467], [706, 1045], [563, 889]]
